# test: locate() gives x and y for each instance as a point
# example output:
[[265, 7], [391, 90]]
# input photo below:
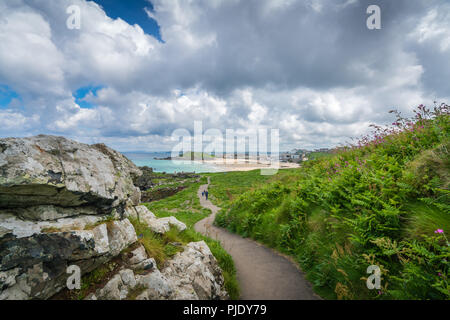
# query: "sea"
[[168, 166]]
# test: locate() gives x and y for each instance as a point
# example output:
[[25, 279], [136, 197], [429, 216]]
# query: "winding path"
[[262, 273]]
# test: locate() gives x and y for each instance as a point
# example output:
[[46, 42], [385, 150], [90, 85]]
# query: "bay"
[[168, 166]]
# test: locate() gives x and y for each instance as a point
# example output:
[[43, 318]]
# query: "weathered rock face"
[[55, 197], [161, 225], [196, 274], [150, 196], [47, 170], [35, 266], [64, 203], [193, 274]]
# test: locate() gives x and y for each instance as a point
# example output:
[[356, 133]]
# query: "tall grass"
[[383, 201]]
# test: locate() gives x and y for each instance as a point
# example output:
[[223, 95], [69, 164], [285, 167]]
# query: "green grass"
[[378, 203], [160, 247], [171, 185], [318, 155], [227, 186], [424, 220], [183, 203], [135, 292], [91, 281], [107, 219], [197, 155], [185, 206]]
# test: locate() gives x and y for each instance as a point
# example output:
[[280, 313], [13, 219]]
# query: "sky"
[[136, 71]]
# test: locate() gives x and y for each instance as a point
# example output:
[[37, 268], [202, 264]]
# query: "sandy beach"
[[228, 165]]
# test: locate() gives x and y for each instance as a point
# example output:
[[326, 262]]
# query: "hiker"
[[203, 193], [206, 194]]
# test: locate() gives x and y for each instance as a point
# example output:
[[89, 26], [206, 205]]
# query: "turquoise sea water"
[[168, 166]]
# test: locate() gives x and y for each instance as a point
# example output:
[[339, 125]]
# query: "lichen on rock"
[[64, 203]]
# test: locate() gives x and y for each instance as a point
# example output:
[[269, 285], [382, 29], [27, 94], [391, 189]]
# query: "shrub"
[[376, 202]]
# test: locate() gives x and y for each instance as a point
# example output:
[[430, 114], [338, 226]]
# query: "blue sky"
[[83, 92], [6, 96], [309, 68], [132, 11]]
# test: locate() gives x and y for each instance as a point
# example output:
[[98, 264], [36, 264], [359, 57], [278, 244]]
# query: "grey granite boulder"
[[196, 274], [65, 204], [193, 274], [158, 225], [49, 170], [35, 266]]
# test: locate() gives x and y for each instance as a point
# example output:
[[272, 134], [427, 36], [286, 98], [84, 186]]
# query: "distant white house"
[[285, 156], [289, 156]]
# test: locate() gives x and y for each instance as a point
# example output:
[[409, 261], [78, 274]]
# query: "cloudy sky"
[[134, 73]]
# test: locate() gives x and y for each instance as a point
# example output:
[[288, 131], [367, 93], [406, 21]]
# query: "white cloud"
[[29, 60], [435, 26], [14, 122], [310, 68]]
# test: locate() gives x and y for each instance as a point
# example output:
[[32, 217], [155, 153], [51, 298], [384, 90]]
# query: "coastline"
[[240, 164], [197, 165]]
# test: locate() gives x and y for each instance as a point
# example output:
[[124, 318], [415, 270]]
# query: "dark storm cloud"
[[310, 68]]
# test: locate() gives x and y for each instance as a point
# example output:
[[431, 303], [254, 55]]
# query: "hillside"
[[384, 201], [72, 227]]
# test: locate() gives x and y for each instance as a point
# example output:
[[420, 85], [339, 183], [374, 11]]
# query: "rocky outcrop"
[[58, 202], [155, 186], [47, 170], [150, 179], [161, 225], [36, 266], [193, 274], [161, 193], [65, 203]]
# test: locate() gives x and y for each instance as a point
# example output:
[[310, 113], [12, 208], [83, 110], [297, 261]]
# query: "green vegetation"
[[50, 230], [93, 278], [107, 219], [159, 247], [172, 185], [92, 281], [382, 202], [196, 155], [318, 155], [185, 206], [226, 186], [135, 292]]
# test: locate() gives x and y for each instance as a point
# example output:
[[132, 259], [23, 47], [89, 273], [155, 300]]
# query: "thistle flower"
[[439, 231]]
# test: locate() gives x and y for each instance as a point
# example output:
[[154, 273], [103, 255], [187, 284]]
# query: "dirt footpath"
[[262, 273]]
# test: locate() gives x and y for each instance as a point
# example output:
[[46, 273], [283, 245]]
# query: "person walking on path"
[[255, 264], [206, 194]]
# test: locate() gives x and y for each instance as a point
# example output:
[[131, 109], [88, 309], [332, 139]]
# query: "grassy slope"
[[185, 206], [377, 204]]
